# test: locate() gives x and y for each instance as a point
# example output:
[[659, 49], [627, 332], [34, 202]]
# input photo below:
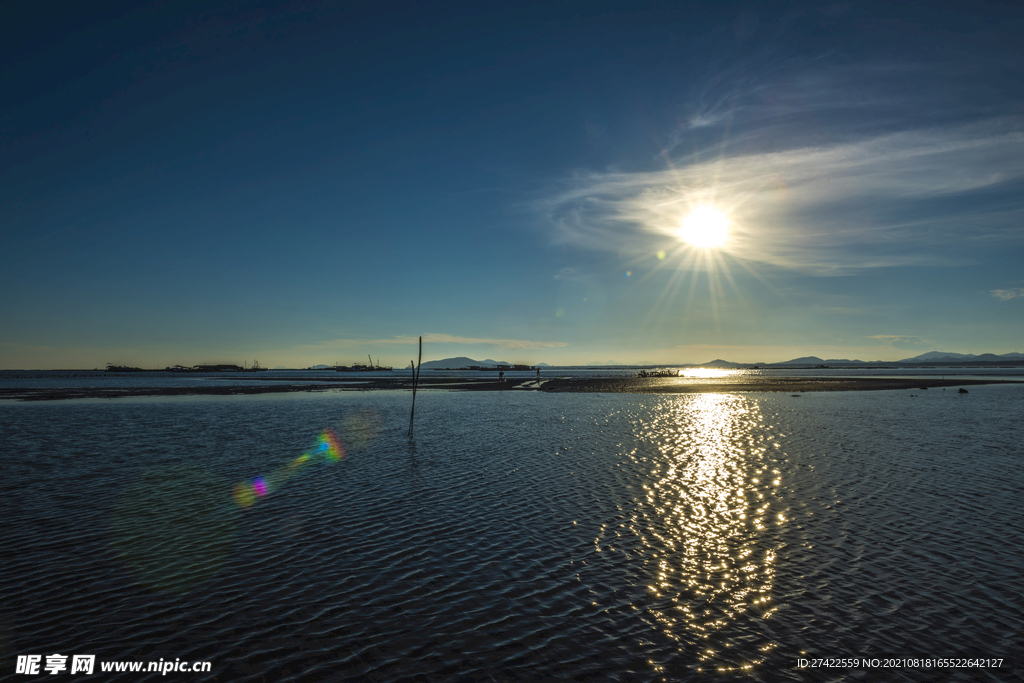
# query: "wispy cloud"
[[434, 338], [825, 164], [841, 310], [1007, 294], [901, 339], [776, 353], [828, 209], [500, 343], [568, 274]]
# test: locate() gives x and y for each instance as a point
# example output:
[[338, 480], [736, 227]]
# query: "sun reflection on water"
[[708, 373], [706, 527]]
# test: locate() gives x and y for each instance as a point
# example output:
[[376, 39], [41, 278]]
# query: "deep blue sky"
[[299, 184]]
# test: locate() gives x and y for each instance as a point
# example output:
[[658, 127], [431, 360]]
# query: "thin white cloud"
[[501, 343], [434, 338], [827, 209], [1007, 294], [743, 353], [902, 339]]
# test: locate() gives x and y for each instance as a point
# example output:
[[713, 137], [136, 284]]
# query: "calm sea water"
[[519, 536], [77, 379]]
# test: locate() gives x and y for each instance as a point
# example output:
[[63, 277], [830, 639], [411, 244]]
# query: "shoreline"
[[604, 385]]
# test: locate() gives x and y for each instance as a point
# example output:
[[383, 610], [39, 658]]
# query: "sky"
[[304, 183]]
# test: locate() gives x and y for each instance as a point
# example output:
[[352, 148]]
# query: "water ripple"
[[519, 538]]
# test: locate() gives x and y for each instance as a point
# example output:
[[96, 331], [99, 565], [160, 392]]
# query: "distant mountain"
[[806, 360], [991, 357], [950, 357], [930, 357], [321, 366], [460, 362], [937, 356], [832, 362]]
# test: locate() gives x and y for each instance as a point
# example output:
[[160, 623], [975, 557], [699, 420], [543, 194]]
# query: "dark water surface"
[[98, 379], [519, 537]]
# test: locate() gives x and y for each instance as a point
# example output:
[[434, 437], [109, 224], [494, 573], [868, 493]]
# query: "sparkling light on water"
[[706, 522]]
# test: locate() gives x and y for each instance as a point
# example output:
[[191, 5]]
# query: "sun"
[[705, 227]]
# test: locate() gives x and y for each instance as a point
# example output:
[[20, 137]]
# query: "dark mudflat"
[[607, 385]]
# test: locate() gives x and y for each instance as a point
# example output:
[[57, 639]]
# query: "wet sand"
[[607, 385]]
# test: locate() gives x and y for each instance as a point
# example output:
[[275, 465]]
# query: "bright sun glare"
[[705, 227]]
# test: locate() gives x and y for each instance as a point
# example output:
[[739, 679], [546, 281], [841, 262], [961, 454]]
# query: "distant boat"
[[658, 373], [358, 367]]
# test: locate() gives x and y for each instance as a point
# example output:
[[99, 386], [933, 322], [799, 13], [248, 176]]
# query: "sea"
[[514, 536], [80, 379]]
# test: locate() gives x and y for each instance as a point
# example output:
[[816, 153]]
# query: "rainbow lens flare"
[[244, 495], [328, 445], [330, 442]]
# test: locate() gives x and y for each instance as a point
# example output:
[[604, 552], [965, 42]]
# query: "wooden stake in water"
[[415, 381]]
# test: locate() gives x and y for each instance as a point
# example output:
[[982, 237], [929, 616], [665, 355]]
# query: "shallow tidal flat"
[[741, 383], [519, 536], [613, 385]]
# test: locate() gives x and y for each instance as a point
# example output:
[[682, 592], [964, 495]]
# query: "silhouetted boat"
[[358, 367], [658, 373]]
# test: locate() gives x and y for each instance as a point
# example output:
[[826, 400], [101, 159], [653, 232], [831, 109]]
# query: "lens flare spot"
[[244, 495], [172, 529], [330, 442], [363, 428]]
